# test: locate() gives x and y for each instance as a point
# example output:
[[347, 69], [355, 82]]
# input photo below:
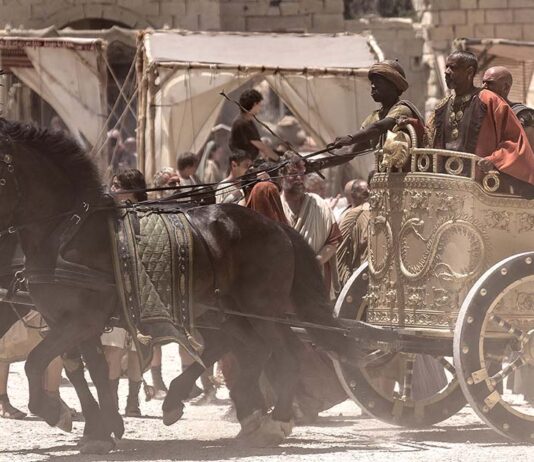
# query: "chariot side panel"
[[435, 227]]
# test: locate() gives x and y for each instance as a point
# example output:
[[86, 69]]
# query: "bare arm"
[[267, 152], [367, 134]]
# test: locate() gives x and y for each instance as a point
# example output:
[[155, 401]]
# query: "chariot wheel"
[[385, 389], [494, 341]]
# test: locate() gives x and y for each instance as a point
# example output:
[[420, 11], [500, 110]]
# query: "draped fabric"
[[182, 75], [313, 222], [503, 141], [265, 199], [73, 82]]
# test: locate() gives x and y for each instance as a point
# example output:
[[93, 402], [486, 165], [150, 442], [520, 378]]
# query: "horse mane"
[[60, 148]]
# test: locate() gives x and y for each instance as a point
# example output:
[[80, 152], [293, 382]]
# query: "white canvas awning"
[[321, 78], [68, 73]]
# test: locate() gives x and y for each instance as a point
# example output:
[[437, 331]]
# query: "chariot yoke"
[[447, 294]]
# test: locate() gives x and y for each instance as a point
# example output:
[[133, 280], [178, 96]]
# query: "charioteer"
[[388, 83]]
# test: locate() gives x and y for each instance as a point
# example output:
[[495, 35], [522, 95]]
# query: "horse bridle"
[[6, 164]]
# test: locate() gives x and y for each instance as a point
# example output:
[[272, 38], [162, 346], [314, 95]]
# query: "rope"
[[117, 83], [112, 112]]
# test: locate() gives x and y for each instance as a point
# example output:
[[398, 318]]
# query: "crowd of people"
[[482, 121]]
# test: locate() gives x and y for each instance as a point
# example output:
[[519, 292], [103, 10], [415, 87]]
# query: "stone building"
[[416, 41]]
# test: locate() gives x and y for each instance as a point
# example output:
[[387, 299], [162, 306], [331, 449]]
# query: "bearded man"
[[480, 122], [310, 215]]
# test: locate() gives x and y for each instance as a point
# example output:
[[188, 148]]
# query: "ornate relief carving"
[[497, 220], [419, 200], [415, 297], [376, 200], [445, 203], [379, 229], [431, 248], [525, 222]]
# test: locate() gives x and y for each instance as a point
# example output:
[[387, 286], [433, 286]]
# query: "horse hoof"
[[65, 418], [251, 423], [173, 416], [270, 433], [117, 427], [286, 427], [97, 447]]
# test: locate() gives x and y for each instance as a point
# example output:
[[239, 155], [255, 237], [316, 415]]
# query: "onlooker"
[[186, 166], [166, 176], [352, 251], [228, 190], [213, 172], [311, 216], [244, 134], [118, 341], [116, 149]]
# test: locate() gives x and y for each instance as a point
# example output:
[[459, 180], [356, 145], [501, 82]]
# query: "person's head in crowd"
[[356, 192], [216, 153], [186, 164], [293, 173], [129, 185], [315, 184], [130, 145], [499, 80], [165, 176], [114, 137], [250, 101], [240, 162]]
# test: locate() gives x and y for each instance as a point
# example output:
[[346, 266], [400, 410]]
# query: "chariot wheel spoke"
[[447, 365], [512, 330], [509, 369], [409, 363]]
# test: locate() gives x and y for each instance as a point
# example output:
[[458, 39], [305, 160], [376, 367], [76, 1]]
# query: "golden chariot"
[[447, 294]]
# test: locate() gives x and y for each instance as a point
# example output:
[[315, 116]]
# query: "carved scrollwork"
[[432, 247], [379, 228]]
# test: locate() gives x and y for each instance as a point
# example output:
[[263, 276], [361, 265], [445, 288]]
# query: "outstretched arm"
[[367, 134]]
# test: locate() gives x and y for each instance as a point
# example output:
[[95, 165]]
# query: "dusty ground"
[[340, 434]]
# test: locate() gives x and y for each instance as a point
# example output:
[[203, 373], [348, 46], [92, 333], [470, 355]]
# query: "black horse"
[[51, 195]]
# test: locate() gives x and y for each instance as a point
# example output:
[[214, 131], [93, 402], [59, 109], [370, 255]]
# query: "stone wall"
[[399, 39], [444, 20], [186, 14]]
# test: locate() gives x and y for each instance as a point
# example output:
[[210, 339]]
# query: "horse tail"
[[311, 299]]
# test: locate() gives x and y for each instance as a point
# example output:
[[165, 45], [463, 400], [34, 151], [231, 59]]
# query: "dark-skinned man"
[[388, 82], [499, 80], [480, 122]]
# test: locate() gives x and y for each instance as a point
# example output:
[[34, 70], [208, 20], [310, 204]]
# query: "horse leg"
[[54, 344], [273, 429], [215, 345], [74, 368], [111, 419], [248, 399]]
